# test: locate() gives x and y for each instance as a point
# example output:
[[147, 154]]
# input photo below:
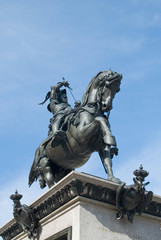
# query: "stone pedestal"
[[83, 207]]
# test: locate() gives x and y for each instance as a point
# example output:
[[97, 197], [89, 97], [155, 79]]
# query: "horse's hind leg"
[[47, 171]]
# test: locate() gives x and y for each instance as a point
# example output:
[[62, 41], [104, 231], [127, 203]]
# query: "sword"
[[70, 89]]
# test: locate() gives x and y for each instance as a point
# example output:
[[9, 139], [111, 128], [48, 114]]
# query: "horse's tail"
[[33, 175]]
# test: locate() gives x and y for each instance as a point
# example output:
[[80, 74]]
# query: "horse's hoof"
[[116, 180], [119, 215]]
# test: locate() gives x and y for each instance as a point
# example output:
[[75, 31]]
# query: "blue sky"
[[43, 40]]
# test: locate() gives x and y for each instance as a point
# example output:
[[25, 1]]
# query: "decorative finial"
[[16, 196], [140, 174]]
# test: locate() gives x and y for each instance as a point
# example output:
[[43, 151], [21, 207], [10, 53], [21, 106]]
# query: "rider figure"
[[60, 108]]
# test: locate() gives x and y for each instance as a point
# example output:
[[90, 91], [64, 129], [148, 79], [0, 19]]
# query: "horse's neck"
[[92, 97]]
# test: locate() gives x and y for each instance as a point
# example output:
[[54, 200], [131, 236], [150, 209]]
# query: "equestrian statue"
[[75, 133]]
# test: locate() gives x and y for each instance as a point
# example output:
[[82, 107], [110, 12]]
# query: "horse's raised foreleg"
[[105, 156], [108, 138], [89, 127]]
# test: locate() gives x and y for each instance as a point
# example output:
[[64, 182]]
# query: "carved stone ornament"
[[24, 216], [134, 198]]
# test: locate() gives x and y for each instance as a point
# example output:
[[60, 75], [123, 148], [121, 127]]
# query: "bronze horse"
[[86, 130]]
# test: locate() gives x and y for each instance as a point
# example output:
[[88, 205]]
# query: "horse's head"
[[109, 85], [102, 89]]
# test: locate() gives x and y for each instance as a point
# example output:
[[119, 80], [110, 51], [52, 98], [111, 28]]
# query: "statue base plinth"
[[83, 207]]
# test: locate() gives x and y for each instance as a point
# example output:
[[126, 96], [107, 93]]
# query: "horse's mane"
[[86, 94]]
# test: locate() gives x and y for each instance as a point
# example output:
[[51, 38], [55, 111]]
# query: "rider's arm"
[[55, 89], [54, 93]]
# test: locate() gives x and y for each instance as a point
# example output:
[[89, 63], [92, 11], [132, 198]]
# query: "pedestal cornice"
[[72, 186]]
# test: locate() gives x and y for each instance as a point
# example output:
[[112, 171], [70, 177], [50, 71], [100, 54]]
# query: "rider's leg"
[[57, 134], [56, 125]]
